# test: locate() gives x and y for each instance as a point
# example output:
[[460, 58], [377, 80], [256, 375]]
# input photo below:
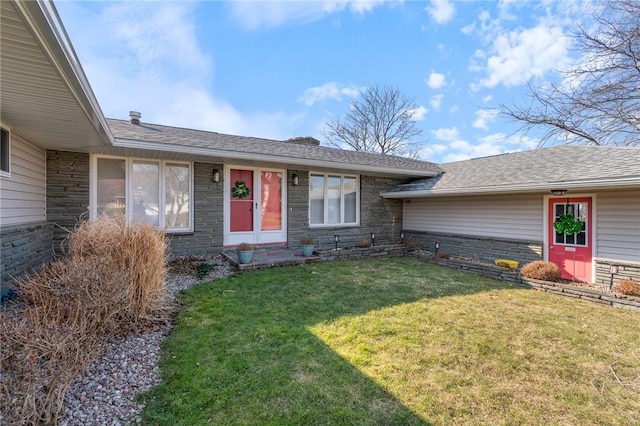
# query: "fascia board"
[[582, 184]]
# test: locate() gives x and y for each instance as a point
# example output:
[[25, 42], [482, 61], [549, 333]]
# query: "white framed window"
[[157, 192], [334, 200], [5, 152]]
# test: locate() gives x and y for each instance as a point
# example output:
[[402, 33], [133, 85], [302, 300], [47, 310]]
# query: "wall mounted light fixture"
[[558, 192], [295, 179], [215, 176]]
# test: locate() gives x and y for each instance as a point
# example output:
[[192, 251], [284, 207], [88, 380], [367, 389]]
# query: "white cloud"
[[432, 152], [517, 56], [418, 113], [436, 101], [487, 98], [255, 15], [441, 11], [150, 61], [435, 80], [446, 134], [483, 116], [330, 90]]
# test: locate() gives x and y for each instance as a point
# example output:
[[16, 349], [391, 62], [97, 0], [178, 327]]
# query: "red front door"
[[242, 203], [572, 253]]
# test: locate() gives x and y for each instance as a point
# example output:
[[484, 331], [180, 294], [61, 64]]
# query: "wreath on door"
[[240, 190], [568, 224]]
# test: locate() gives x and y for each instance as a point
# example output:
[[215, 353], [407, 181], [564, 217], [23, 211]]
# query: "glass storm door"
[[256, 214], [572, 253]]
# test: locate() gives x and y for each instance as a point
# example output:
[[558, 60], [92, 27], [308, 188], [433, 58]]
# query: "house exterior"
[[63, 162], [505, 206]]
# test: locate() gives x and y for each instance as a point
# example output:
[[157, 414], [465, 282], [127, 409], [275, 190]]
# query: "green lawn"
[[393, 341]]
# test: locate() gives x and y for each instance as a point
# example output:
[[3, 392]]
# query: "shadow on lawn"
[[241, 352]]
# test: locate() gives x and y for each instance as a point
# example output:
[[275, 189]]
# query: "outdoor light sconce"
[[558, 192], [437, 246], [336, 238], [373, 239], [215, 177], [294, 178]]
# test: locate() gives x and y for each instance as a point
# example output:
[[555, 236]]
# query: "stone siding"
[[384, 251], [67, 193], [513, 276], [626, 270], [381, 216], [207, 235], [481, 249], [23, 248]]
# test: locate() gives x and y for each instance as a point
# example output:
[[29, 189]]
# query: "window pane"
[[177, 196], [145, 184], [350, 199], [271, 201], [4, 151], [333, 199], [111, 186], [316, 200]]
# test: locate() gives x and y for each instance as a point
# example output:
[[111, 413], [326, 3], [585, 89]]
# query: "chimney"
[[304, 140], [135, 116]]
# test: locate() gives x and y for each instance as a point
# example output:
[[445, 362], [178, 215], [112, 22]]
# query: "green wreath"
[[240, 190], [568, 224]]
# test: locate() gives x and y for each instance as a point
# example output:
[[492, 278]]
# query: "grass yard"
[[393, 341]]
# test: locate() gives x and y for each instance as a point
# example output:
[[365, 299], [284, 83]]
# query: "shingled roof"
[[538, 170], [242, 148]]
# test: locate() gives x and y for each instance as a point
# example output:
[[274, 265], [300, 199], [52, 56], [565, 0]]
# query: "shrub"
[[441, 254], [138, 248], [628, 287], [111, 281], [244, 247], [307, 241], [364, 243], [540, 270]]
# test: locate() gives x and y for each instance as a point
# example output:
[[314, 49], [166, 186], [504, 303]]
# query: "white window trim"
[[93, 193], [7, 173], [342, 203]]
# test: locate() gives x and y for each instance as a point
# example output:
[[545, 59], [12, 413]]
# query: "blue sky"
[[283, 69]]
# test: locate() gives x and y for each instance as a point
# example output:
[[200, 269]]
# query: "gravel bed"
[[106, 393]]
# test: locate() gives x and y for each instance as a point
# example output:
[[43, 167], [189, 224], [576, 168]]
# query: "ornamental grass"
[[111, 283], [540, 270]]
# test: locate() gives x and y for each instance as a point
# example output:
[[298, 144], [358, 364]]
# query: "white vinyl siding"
[[517, 217], [23, 192], [618, 225]]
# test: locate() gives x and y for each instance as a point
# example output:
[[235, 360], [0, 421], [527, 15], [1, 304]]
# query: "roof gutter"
[[294, 161], [46, 25], [505, 189]]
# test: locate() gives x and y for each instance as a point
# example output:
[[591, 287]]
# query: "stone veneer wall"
[[626, 270], [23, 248], [207, 235], [68, 202], [482, 249], [381, 216], [67, 193], [513, 276]]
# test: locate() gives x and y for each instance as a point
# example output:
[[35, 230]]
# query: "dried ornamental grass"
[[628, 287], [55, 331], [113, 279], [139, 248], [540, 270]]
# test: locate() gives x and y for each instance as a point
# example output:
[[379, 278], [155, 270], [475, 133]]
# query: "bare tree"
[[381, 120], [598, 101]]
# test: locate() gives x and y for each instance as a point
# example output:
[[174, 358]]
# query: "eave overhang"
[[581, 185]]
